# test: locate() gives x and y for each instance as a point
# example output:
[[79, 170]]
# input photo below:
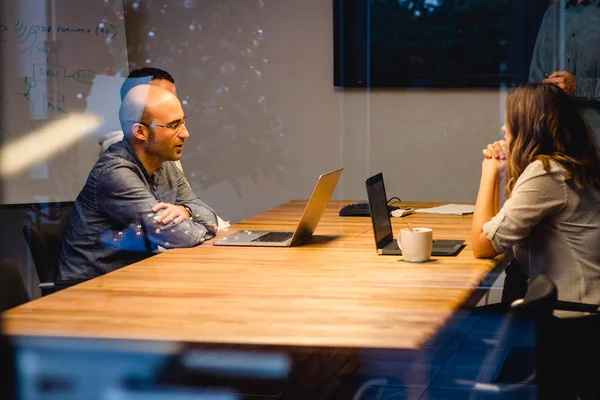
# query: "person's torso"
[[564, 246], [83, 254], [581, 37]]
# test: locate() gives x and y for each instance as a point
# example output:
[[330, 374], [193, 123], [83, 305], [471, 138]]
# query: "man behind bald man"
[[135, 199]]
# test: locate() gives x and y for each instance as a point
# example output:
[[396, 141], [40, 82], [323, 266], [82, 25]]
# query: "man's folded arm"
[[202, 213], [123, 197]]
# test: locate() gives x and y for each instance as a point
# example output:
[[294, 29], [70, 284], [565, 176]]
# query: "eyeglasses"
[[175, 125]]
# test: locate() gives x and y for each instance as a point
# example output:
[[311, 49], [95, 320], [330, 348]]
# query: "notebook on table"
[[385, 242], [306, 227]]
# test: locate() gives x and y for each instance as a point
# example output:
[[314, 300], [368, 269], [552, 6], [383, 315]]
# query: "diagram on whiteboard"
[[54, 55]]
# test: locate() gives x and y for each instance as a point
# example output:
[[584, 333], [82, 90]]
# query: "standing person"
[[567, 54]]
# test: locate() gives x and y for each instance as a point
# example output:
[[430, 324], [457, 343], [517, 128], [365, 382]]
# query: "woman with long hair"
[[551, 216]]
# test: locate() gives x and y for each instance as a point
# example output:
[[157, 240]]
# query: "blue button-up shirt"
[[112, 224], [581, 54]]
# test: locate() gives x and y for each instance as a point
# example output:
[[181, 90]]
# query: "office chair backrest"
[[541, 298], [12, 288], [44, 241], [566, 353], [7, 357]]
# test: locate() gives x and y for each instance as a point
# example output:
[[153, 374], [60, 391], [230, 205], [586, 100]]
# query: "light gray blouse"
[[554, 229]]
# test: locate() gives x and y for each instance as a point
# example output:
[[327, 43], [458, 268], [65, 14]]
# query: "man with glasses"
[[136, 201], [140, 76]]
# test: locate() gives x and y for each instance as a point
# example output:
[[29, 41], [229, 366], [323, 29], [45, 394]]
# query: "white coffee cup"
[[415, 244]]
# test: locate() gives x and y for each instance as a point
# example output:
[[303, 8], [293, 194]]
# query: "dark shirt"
[[112, 224], [578, 38]]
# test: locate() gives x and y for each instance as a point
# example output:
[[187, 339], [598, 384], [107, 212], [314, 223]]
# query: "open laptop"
[[382, 226], [306, 227]]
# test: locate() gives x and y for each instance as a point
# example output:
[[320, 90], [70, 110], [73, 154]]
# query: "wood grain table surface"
[[334, 290]]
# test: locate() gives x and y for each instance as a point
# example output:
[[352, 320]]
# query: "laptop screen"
[[382, 226]]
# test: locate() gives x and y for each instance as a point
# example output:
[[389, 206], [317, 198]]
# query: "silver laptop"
[[382, 226], [306, 227]]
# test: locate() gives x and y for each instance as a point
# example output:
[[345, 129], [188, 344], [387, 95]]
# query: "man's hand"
[[171, 212], [564, 80]]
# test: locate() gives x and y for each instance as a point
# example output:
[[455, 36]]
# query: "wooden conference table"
[[332, 291]]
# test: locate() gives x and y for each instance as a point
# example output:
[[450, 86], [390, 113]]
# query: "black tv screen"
[[434, 43]]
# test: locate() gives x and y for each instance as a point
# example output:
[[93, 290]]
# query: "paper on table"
[[449, 209], [222, 223]]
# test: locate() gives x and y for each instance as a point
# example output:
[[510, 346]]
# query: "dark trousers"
[[570, 359]]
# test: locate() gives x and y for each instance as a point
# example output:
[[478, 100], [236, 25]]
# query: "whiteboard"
[[61, 60]]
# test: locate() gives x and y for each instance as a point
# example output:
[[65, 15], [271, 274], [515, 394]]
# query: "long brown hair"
[[545, 124]]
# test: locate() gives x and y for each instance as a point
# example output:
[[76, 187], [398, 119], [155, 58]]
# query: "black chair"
[[567, 354], [44, 241], [9, 298], [12, 288]]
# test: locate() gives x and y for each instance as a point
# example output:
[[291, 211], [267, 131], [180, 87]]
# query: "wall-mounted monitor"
[[434, 43]]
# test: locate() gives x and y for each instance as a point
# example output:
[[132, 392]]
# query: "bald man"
[[146, 75], [136, 201]]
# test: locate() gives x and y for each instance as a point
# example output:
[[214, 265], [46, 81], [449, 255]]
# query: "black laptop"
[[382, 225]]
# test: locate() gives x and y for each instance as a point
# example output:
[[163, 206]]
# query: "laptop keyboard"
[[274, 237]]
